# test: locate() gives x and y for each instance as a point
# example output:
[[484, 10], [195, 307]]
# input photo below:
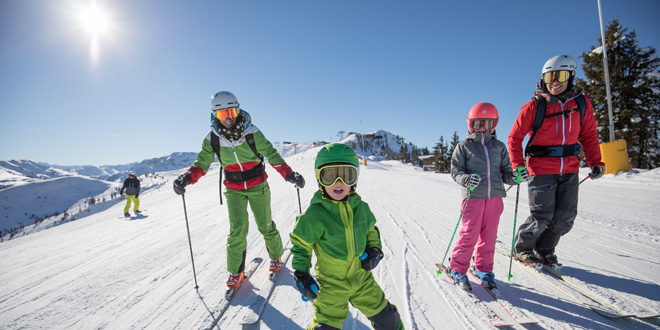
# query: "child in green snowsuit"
[[340, 228]]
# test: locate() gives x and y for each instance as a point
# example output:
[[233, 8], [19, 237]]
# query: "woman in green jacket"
[[340, 229], [239, 147]]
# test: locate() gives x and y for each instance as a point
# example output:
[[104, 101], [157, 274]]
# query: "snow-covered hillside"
[[107, 272]]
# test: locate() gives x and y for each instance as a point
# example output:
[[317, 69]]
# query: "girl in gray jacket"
[[480, 163]]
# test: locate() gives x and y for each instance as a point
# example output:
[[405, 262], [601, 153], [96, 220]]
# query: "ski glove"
[[297, 179], [180, 183], [306, 285], [521, 175], [472, 181], [371, 257], [597, 171]]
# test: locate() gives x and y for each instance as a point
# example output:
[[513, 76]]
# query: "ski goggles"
[[328, 175], [222, 114], [483, 124], [560, 76]]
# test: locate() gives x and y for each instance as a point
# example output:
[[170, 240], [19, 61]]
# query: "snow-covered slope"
[[106, 272]]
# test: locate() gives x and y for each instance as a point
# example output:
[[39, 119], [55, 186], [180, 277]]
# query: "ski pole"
[[299, 205], [585, 178], [189, 241], [469, 194], [513, 239]]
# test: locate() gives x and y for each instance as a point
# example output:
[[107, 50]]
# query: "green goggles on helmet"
[[328, 175]]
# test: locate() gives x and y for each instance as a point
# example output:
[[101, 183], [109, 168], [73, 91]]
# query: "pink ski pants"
[[480, 221]]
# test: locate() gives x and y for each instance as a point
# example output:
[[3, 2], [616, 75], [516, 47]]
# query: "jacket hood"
[[476, 136], [319, 198]]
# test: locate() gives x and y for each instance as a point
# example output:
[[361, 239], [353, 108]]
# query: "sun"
[[94, 20], [98, 26]]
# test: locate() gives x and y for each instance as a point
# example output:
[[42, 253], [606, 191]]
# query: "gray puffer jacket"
[[483, 154]]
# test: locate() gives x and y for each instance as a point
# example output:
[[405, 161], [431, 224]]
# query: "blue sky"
[[304, 70]]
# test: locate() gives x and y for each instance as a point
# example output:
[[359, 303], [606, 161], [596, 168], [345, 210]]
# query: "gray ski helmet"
[[560, 62], [223, 100]]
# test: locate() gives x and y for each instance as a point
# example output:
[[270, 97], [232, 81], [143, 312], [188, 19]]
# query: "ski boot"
[[138, 212], [529, 259], [127, 215], [461, 280], [487, 279], [550, 260], [274, 269], [233, 283]]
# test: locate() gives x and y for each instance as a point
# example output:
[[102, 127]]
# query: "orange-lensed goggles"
[[222, 114], [560, 76]]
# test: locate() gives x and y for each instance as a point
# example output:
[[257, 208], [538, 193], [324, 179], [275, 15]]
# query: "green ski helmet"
[[336, 153]]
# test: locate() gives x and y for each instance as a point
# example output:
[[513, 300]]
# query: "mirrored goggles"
[[328, 175], [560, 76], [222, 114], [483, 124]]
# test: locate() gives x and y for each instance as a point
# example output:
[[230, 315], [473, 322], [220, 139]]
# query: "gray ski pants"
[[553, 200]]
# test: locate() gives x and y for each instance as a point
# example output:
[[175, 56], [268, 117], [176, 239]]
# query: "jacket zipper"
[[233, 148], [483, 143]]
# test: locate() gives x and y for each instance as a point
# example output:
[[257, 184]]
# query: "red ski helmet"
[[482, 117]]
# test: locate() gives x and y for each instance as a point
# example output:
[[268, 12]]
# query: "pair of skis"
[[553, 276], [253, 310], [517, 314]]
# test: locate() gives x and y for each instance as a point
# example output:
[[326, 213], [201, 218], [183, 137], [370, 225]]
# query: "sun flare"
[[94, 20]]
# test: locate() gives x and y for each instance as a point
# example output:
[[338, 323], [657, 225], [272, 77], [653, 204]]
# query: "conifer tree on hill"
[[635, 89]]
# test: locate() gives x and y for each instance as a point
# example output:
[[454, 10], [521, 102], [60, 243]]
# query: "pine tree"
[[450, 150], [635, 89], [440, 153]]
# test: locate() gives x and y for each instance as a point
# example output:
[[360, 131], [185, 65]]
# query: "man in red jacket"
[[551, 158]]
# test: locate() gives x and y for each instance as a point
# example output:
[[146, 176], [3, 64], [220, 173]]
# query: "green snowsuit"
[[238, 157], [338, 232]]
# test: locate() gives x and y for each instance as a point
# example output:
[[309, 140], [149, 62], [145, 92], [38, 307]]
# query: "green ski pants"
[[237, 202], [135, 201], [331, 304]]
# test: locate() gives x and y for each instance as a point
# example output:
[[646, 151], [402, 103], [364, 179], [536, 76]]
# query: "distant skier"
[[239, 146], [480, 162], [340, 229], [132, 187], [552, 159]]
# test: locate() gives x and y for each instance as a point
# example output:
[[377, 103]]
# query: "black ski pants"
[[553, 200]]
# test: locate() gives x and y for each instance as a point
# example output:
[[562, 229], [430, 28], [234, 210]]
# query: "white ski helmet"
[[223, 100], [560, 62]]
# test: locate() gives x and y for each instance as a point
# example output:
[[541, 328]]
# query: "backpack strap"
[[250, 140], [540, 116], [215, 144], [253, 145]]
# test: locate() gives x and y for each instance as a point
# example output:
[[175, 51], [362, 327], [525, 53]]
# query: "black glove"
[[306, 284], [371, 257], [297, 179], [471, 181], [180, 183], [597, 171], [520, 175]]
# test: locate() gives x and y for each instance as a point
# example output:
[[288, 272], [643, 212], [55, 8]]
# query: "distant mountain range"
[[19, 172], [35, 196]]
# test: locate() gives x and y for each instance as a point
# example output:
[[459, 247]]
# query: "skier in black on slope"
[[551, 157], [132, 187], [480, 164]]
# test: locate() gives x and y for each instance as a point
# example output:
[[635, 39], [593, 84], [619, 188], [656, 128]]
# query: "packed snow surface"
[[107, 272]]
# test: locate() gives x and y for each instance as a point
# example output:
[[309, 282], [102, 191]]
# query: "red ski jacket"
[[557, 130]]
